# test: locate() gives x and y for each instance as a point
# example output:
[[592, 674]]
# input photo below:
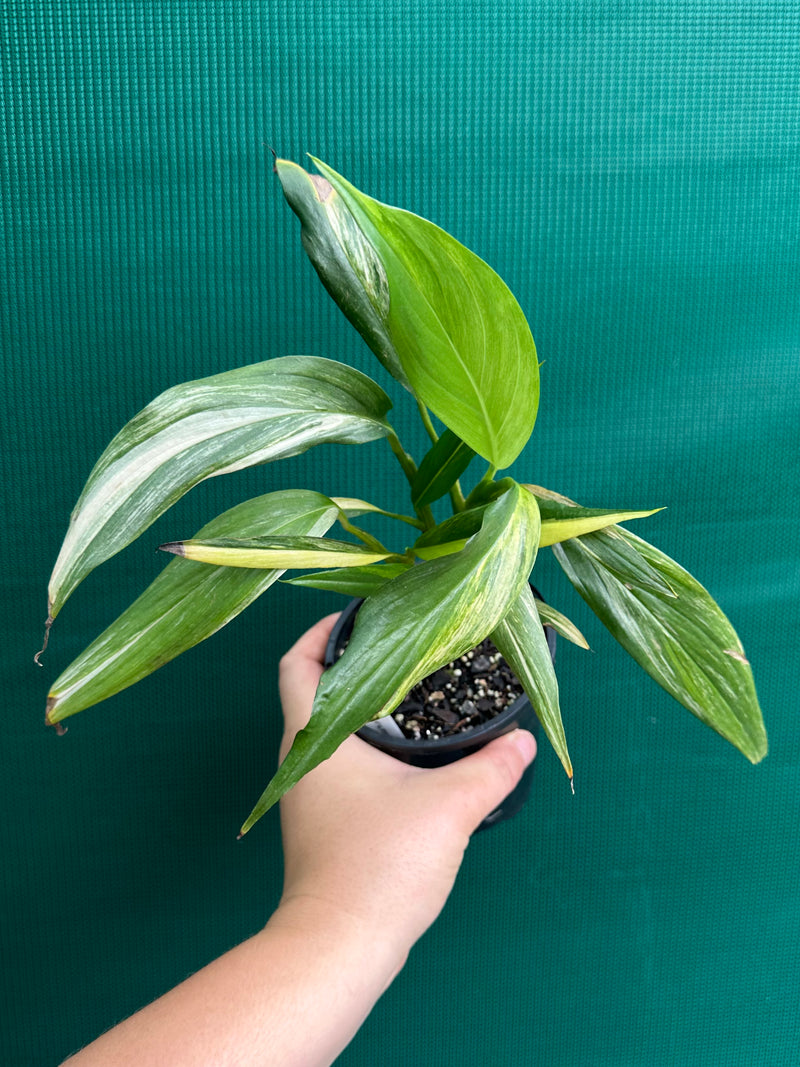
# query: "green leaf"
[[415, 624], [352, 581], [561, 519], [342, 257], [452, 323], [623, 559], [440, 468], [559, 522], [352, 506], [520, 639], [455, 528], [186, 603], [258, 553], [683, 641], [561, 624], [446, 548], [224, 423]]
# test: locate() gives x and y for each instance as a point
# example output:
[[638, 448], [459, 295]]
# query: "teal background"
[[632, 169]]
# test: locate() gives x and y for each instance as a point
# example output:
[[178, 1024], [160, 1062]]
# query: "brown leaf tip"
[[175, 547], [37, 658], [59, 727]]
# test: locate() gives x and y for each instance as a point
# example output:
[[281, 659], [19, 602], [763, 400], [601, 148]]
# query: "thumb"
[[478, 783]]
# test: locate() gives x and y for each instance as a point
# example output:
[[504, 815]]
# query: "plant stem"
[[362, 535], [424, 514], [403, 458], [426, 422], [484, 483], [457, 497], [404, 518]]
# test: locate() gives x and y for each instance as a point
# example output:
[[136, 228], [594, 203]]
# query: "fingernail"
[[526, 744]]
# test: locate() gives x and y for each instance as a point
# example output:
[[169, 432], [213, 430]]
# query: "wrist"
[[378, 950]]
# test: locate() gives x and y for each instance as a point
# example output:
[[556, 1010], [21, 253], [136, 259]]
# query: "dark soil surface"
[[464, 694]]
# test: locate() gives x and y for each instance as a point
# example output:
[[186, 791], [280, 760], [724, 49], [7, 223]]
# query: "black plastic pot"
[[440, 751]]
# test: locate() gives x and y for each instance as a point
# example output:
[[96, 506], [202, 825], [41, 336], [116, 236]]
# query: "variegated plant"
[[446, 327]]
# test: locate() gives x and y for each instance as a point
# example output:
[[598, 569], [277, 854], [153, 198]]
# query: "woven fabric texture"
[[632, 170]]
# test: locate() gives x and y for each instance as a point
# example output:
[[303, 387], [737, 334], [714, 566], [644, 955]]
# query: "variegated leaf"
[[259, 553], [563, 626], [224, 423], [682, 640], [452, 324], [413, 625], [562, 519], [342, 257], [186, 603], [520, 639]]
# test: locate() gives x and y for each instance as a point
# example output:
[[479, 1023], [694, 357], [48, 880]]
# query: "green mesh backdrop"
[[632, 169]]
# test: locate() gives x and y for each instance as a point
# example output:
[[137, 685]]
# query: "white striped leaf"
[[413, 625], [682, 639], [561, 624], [452, 324], [521, 640], [342, 257], [186, 603], [207, 427]]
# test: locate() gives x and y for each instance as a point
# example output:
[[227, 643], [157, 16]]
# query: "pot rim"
[[502, 723]]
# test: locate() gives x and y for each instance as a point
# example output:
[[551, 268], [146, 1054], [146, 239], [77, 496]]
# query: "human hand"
[[372, 848], [374, 838]]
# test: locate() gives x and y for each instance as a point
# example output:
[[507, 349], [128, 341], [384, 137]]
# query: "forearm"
[[293, 995]]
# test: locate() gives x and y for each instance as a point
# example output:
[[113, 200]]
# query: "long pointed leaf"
[[520, 639], [453, 324], [259, 553], [186, 603], [352, 581], [342, 257], [443, 464], [413, 625], [563, 626], [455, 528], [684, 641], [229, 421], [352, 506], [562, 520], [621, 557], [558, 524]]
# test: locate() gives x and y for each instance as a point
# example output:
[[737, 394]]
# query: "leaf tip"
[[175, 547], [60, 728], [48, 623]]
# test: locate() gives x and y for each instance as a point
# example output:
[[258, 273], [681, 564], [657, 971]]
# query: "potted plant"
[[448, 329]]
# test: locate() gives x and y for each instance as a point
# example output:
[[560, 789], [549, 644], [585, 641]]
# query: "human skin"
[[365, 837]]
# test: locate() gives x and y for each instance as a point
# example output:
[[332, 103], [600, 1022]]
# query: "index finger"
[[300, 671], [313, 642]]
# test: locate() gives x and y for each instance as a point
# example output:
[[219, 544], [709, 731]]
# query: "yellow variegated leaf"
[[290, 553], [414, 624], [185, 604]]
